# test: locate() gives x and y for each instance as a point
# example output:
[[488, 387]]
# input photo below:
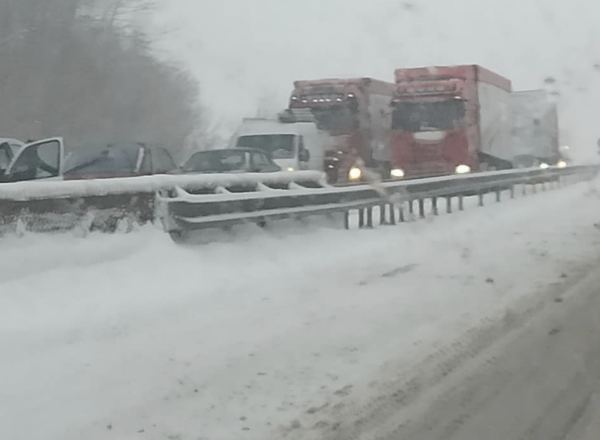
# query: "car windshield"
[[428, 116], [216, 161], [102, 159], [279, 146]]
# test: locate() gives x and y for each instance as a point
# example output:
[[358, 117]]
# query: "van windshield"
[[279, 146]]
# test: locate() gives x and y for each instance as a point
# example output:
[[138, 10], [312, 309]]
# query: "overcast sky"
[[246, 53]]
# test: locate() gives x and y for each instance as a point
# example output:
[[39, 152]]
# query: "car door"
[[40, 160], [163, 162], [6, 157]]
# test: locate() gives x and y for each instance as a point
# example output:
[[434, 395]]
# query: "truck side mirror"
[[304, 155]]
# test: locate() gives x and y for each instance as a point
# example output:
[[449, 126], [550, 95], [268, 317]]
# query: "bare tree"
[[70, 68]]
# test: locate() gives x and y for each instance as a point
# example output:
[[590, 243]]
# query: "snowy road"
[[539, 380], [304, 335]]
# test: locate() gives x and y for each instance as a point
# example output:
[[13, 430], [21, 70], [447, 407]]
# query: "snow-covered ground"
[[278, 333]]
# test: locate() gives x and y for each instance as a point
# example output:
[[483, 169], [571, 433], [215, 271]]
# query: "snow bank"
[[134, 337], [100, 187]]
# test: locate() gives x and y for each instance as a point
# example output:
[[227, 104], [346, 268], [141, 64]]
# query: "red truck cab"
[[447, 120], [355, 114]]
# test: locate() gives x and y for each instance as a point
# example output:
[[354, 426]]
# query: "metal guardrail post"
[[361, 218], [434, 206], [461, 203], [498, 196], [449, 205], [346, 220], [383, 214], [480, 198], [401, 213], [392, 213], [422, 208], [370, 217]]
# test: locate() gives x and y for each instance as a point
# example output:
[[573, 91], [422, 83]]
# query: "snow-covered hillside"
[[246, 53]]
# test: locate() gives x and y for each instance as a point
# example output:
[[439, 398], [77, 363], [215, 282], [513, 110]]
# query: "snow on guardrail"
[[36, 190], [181, 212], [183, 202]]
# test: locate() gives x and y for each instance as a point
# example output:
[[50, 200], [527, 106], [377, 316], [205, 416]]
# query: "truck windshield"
[[429, 116], [335, 118], [279, 146]]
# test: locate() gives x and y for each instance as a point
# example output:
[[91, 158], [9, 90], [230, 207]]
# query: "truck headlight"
[[561, 164], [397, 173], [544, 166], [355, 173], [462, 169]]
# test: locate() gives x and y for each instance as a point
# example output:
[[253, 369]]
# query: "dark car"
[[117, 160], [231, 160]]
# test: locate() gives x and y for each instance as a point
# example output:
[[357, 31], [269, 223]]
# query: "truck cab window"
[[336, 118], [429, 116]]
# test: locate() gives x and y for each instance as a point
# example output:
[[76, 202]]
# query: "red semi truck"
[[356, 116], [458, 119]]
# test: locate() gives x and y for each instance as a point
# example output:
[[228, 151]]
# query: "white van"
[[293, 146]]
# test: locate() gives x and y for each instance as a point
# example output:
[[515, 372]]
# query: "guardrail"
[[106, 203], [182, 211], [191, 202]]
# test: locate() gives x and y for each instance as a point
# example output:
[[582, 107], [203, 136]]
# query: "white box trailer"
[[535, 134]]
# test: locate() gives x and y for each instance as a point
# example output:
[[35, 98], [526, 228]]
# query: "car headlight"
[[561, 164], [290, 169], [355, 173], [397, 173], [544, 166], [462, 169]]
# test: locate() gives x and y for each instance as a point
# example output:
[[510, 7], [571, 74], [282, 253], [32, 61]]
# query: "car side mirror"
[[304, 155]]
